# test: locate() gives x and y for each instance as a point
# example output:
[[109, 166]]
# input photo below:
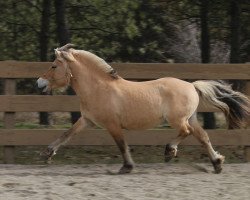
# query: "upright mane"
[[98, 62]]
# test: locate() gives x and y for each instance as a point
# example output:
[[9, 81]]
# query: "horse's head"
[[59, 73]]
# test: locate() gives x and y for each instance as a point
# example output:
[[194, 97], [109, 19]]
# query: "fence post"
[[247, 148], [9, 122]]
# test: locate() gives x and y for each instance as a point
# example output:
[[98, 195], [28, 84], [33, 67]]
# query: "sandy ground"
[[148, 181]]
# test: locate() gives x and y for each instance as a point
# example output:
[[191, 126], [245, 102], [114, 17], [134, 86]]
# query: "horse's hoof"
[[170, 152], [217, 164], [47, 155], [126, 169]]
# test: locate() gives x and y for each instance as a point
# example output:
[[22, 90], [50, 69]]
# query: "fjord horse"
[[113, 103]]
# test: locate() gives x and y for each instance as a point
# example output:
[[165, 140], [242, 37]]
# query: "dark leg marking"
[[169, 153], [47, 154], [126, 168], [217, 165], [128, 163]]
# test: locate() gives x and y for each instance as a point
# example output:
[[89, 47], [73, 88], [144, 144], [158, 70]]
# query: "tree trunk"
[[205, 37], [44, 40], [62, 29], [235, 27], [235, 24], [63, 35], [209, 119], [15, 31], [44, 33]]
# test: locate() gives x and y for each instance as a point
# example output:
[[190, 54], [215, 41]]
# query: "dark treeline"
[[127, 30]]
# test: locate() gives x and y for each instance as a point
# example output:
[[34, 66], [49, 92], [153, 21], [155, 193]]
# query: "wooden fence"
[[11, 103]]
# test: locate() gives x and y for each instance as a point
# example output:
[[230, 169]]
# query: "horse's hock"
[[10, 103]]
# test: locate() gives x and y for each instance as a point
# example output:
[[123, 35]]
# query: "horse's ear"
[[58, 54], [68, 56]]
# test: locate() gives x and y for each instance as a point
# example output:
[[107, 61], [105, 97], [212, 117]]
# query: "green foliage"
[[19, 28], [122, 30]]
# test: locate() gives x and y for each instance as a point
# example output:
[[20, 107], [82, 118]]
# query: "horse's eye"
[[53, 66]]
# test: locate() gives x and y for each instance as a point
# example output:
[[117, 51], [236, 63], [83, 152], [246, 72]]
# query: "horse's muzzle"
[[41, 83]]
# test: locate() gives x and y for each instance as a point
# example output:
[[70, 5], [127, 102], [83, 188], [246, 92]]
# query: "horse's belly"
[[142, 120], [143, 113]]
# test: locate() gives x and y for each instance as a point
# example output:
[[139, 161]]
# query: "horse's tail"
[[235, 105]]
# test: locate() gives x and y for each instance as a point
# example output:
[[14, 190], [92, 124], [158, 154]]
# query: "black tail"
[[235, 105]]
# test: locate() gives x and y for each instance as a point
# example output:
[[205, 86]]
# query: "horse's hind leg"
[[184, 130], [53, 147], [202, 136], [128, 163], [171, 148]]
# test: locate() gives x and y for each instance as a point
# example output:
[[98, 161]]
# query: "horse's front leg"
[[128, 163], [54, 146]]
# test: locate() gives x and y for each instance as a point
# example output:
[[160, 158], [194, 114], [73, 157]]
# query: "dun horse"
[[110, 101]]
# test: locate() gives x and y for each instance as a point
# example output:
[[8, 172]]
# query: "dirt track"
[[148, 181]]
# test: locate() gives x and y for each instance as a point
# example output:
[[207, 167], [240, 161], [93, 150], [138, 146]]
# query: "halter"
[[67, 73]]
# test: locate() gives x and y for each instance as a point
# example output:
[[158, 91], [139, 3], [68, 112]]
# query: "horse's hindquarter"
[[146, 104], [182, 98]]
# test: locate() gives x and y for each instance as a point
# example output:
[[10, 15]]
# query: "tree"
[[235, 29], [63, 35], [44, 40], [62, 30], [209, 119]]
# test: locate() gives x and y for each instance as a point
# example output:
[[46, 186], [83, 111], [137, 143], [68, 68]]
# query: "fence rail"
[[139, 71], [11, 103], [55, 103], [101, 137]]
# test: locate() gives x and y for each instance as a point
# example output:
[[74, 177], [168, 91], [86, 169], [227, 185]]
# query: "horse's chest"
[[97, 115]]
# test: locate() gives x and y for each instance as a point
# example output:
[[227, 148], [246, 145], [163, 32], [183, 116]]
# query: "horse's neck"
[[86, 83]]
